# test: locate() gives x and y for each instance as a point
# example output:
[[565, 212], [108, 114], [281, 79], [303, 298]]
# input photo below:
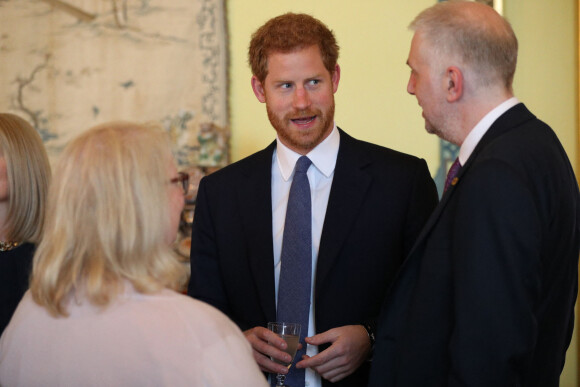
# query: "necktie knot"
[[302, 164]]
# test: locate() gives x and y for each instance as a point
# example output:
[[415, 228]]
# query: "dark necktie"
[[296, 257], [455, 167]]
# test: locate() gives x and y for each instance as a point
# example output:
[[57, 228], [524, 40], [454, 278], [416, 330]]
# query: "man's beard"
[[306, 140]]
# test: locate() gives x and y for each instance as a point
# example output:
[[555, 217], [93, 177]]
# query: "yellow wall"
[[372, 103], [546, 76]]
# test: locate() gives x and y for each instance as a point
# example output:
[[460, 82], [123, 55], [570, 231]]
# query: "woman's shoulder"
[[193, 309], [22, 251], [176, 306]]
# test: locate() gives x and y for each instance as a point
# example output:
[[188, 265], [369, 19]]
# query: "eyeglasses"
[[183, 179]]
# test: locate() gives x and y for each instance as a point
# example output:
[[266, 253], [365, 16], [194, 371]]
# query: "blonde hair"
[[107, 218], [474, 33], [28, 173]]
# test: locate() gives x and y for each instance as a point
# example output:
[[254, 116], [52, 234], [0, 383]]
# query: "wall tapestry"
[[68, 65]]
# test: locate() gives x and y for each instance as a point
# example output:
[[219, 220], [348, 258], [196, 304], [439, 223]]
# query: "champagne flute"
[[290, 332]]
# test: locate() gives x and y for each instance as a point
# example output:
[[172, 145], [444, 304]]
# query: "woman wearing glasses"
[[100, 310], [24, 178]]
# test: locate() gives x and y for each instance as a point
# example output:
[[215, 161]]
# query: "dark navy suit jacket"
[[486, 297], [379, 201]]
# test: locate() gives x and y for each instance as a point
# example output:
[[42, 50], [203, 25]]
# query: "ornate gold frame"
[[496, 4]]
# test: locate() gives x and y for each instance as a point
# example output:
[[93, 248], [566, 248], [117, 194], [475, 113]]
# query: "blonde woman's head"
[[111, 218]]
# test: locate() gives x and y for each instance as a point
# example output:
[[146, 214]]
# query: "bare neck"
[[478, 106]]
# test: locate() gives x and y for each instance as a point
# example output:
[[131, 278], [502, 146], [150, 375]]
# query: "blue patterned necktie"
[[296, 257], [455, 167]]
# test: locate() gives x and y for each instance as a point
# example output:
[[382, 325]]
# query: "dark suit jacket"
[[379, 201], [15, 267], [486, 297]]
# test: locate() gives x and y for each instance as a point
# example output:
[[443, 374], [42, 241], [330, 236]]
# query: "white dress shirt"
[[482, 127], [320, 175]]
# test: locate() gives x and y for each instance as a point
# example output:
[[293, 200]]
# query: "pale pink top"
[[164, 339]]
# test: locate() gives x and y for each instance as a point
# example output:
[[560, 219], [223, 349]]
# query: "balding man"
[[486, 296]]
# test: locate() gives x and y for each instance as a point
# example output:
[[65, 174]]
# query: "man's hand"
[[350, 347], [266, 343]]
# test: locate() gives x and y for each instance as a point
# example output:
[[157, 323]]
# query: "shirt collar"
[[323, 156], [482, 127]]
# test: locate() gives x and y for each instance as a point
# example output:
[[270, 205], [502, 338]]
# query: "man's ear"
[[335, 78], [454, 79], [258, 89]]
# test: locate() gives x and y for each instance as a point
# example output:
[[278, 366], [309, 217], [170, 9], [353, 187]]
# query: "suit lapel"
[[401, 292], [255, 203], [349, 188], [510, 119]]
